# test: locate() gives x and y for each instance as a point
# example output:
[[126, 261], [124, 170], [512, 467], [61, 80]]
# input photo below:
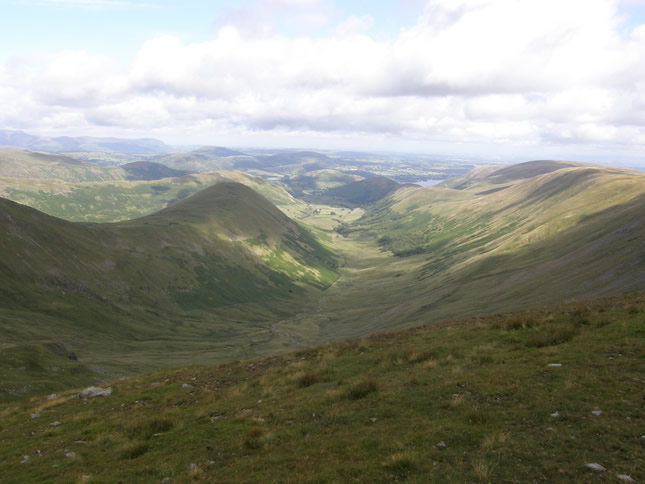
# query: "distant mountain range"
[[21, 139]]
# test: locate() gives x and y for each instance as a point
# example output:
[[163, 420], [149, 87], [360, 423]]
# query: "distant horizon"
[[637, 163], [494, 79]]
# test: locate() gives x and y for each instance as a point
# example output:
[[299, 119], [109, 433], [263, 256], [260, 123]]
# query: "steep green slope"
[[537, 395], [189, 273], [514, 213]]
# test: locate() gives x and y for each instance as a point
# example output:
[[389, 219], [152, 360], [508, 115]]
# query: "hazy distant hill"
[[218, 151], [16, 163], [82, 143], [149, 170]]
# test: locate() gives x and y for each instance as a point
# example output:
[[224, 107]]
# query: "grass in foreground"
[[477, 400]]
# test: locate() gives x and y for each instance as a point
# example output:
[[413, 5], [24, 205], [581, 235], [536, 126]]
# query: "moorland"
[[335, 304]]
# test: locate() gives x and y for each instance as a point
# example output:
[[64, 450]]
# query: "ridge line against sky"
[[508, 79]]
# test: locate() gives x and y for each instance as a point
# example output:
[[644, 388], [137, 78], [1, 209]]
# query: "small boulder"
[[596, 467], [441, 445], [70, 455], [596, 413], [34, 415], [55, 424], [186, 385], [625, 477], [555, 414], [92, 392]]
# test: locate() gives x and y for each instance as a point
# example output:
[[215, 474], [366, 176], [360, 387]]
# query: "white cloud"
[[355, 25], [488, 71]]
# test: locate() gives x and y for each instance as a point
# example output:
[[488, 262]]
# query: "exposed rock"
[[555, 414], [596, 413], [80, 442], [596, 467], [92, 392], [373, 419], [70, 455], [53, 396], [625, 477], [554, 365], [165, 480], [55, 424], [441, 445], [186, 385], [550, 429], [25, 458], [34, 415]]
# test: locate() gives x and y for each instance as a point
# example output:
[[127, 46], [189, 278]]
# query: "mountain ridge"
[[82, 143]]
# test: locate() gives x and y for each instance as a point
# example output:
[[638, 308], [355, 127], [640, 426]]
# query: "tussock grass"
[[377, 416], [362, 388], [135, 449], [550, 336], [400, 464]]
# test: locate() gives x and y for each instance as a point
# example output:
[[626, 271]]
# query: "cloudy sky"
[[514, 79]]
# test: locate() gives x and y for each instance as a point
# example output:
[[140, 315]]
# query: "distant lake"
[[427, 183]]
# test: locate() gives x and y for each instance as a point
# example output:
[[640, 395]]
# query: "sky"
[[501, 79]]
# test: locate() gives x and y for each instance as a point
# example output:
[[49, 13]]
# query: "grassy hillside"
[[122, 200], [180, 280], [535, 395], [318, 181], [571, 233], [357, 193], [202, 161], [40, 166], [149, 170], [519, 207], [208, 280]]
